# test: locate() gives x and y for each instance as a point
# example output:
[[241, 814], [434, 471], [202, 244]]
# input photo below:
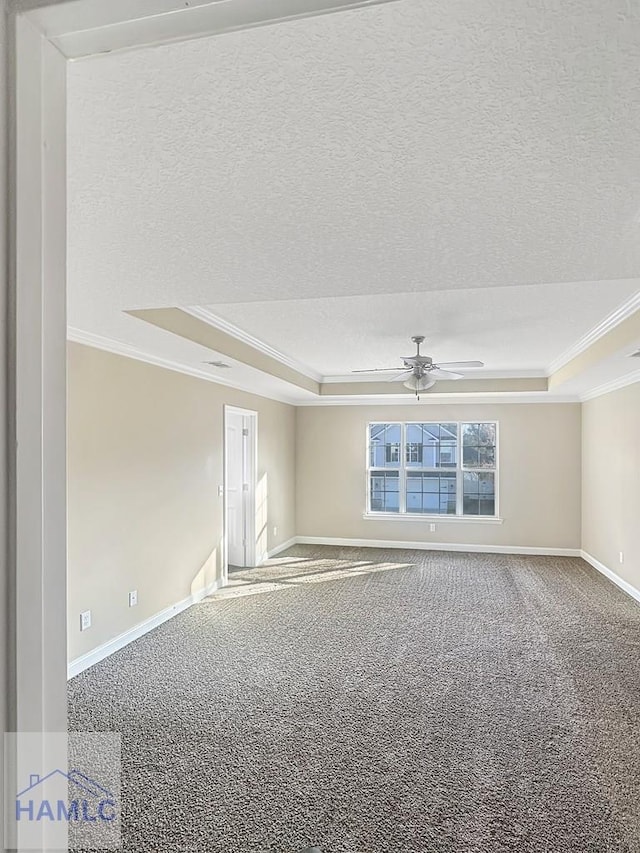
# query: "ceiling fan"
[[422, 371]]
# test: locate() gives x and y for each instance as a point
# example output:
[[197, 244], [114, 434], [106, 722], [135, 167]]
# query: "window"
[[432, 468]]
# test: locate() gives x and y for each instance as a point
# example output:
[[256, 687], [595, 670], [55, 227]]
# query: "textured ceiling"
[[412, 147], [514, 328]]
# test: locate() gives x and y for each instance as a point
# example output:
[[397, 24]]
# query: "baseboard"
[[75, 667], [440, 546], [611, 575], [280, 548]]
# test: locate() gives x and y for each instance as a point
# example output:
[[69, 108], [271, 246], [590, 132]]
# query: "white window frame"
[[460, 470]]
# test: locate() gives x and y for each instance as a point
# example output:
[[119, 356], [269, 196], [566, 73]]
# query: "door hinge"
[[245, 487], [245, 431]]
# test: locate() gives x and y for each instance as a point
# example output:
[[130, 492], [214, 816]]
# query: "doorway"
[[240, 470]]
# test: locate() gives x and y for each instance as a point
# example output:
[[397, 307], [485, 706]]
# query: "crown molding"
[[428, 398], [614, 319], [625, 310], [212, 319], [473, 373], [118, 348], [614, 385], [79, 32], [235, 332]]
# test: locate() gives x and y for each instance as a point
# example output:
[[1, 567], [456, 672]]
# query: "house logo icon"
[[60, 796]]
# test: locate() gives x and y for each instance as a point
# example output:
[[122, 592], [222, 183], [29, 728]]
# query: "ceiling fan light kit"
[[423, 371], [419, 383]]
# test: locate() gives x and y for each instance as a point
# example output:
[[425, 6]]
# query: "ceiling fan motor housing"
[[419, 363]]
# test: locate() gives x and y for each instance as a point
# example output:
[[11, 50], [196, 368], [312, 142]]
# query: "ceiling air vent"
[[217, 363]]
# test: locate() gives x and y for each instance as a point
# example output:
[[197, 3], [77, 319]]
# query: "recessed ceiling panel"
[[515, 328]]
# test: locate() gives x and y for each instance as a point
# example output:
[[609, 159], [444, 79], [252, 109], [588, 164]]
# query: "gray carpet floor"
[[374, 701]]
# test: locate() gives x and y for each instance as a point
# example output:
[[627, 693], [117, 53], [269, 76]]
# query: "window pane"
[[429, 456], [430, 483], [479, 445], [479, 493], [449, 433], [414, 433], [470, 483], [414, 501], [384, 491], [392, 454], [432, 445], [447, 484], [448, 504], [469, 434], [487, 434], [431, 503], [431, 433], [414, 453], [429, 449], [470, 457], [471, 505], [392, 502], [432, 493], [486, 484], [486, 457], [384, 445], [487, 507], [391, 482]]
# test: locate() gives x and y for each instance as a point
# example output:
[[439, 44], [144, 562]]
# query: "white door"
[[236, 451]]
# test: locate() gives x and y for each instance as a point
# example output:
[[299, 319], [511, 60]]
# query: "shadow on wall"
[[212, 570], [209, 573], [262, 517]]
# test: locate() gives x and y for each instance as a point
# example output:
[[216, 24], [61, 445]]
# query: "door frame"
[[252, 558], [42, 36]]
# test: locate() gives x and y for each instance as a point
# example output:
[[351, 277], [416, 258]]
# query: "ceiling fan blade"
[[460, 365], [376, 370], [437, 373], [400, 375]]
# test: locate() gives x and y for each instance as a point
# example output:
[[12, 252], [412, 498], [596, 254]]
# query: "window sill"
[[447, 519]]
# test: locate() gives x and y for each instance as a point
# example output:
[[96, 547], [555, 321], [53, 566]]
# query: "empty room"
[[347, 449]]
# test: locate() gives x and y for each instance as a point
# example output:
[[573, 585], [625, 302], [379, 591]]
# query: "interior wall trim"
[[77, 31], [430, 399], [118, 348], [611, 575], [622, 312], [218, 323], [439, 546], [269, 555], [614, 385], [75, 667]]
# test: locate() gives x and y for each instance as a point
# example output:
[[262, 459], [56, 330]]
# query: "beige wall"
[[144, 465], [539, 475], [145, 462], [611, 481]]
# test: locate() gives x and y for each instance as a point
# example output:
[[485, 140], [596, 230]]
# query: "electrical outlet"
[[275, 531], [621, 557], [85, 620], [432, 528], [133, 598]]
